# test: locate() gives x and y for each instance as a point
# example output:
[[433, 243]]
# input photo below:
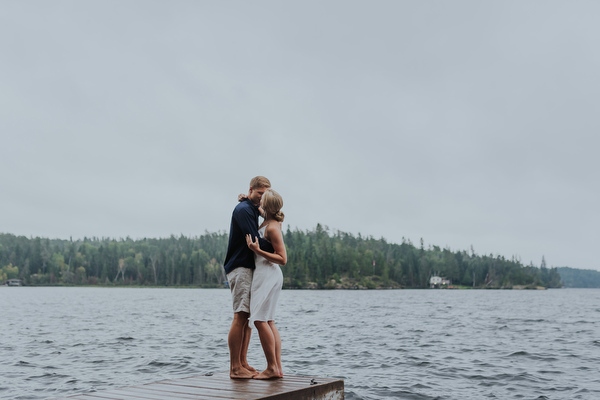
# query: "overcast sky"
[[465, 123]]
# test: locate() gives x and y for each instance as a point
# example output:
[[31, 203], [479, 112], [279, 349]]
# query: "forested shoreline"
[[579, 278], [317, 259]]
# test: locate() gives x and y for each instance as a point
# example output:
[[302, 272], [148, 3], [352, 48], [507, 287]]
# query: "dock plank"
[[144, 393], [148, 393], [219, 386], [224, 379]]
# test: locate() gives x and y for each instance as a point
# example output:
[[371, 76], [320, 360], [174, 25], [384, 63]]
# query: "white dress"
[[266, 286]]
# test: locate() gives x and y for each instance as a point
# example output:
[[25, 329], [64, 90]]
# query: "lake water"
[[405, 344]]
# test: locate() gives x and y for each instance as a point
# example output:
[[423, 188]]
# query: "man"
[[239, 267]]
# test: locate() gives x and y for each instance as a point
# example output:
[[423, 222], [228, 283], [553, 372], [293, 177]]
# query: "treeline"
[[166, 262], [579, 278], [316, 259]]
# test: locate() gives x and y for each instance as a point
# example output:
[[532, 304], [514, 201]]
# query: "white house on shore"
[[436, 282]]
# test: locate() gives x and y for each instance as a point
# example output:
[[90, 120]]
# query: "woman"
[[267, 282]]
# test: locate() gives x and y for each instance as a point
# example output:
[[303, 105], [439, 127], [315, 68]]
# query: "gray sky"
[[462, 123]]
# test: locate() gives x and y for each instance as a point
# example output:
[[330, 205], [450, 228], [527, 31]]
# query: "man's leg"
[[245, 346], [235, 341], [240, 282]]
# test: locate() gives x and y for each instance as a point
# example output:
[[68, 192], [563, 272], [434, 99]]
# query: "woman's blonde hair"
[[272, 204]]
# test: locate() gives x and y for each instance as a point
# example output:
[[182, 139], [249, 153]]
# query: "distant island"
[[317, 259], [579, 278]]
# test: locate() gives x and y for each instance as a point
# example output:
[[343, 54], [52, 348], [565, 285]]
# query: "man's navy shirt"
[[243, 221]]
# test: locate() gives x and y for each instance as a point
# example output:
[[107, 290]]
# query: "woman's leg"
[[267, 341], [277, 338]]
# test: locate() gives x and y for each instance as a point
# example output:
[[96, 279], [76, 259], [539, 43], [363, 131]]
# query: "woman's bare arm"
[[273, 232]]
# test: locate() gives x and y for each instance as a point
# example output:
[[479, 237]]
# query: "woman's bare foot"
[[269, 374], [242, 373]]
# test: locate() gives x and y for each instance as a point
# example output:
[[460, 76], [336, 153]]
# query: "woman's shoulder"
[[273, 226]]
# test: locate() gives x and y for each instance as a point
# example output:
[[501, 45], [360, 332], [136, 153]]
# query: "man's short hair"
[[260, 182]]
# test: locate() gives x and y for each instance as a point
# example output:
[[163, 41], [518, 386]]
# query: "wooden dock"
[[219, 386]]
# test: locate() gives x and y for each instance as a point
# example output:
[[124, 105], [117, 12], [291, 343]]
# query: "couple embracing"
[[254, 254]]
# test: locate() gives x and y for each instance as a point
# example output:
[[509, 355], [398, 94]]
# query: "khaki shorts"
[[240, 283]]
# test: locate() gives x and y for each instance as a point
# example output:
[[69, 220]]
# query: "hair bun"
[[279, 216]]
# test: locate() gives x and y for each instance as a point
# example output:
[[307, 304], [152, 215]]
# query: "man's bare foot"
[[269, 374], [241, 373], [249, 368]]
